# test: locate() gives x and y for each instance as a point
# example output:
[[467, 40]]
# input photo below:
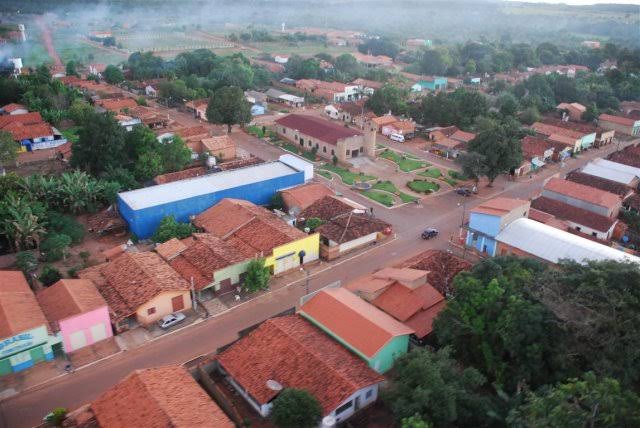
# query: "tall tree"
[[473, 165], [584, 402], [70, 69], [175, 154], [113, 74], [499, 144], [389, 98], [228, 107], [433, 387], [496, 325], [8, 149], [101, 144]]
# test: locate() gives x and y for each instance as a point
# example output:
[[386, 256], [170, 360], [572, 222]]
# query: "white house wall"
[[347, 246]]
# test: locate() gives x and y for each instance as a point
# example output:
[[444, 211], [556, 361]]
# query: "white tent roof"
[[608, 173], [617, 166], [551, 244], [198, 186]]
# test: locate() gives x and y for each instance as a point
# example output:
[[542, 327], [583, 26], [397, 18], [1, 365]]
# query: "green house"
[[359, 326]]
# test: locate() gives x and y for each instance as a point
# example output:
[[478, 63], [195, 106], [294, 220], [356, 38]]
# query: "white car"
[[171, 319], [397, 137]]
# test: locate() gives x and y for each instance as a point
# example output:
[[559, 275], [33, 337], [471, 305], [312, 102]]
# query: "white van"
[[397, 137]]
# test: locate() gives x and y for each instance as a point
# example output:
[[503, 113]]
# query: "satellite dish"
[[274, 385], [328, 421]]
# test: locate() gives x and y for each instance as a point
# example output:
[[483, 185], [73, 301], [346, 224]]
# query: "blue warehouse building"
[[143, 209]]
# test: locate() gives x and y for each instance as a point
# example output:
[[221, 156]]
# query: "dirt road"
[[47, 40]]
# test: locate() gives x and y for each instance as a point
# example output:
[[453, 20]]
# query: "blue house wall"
[[588, 140], [144, 222], [483, 228], [438, 83]]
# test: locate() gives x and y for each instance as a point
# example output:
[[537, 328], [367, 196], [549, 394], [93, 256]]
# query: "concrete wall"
[[359, 242], [361, 397], [145, 221], [310, 245], [162, 304], [489, 226], [386, 357]]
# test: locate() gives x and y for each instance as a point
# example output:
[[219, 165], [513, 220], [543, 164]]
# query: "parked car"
[[429, 233], [397, 137], [171, 319], [463, 191]]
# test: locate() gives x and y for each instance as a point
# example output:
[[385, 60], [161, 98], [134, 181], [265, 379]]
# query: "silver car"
[[171, 319]]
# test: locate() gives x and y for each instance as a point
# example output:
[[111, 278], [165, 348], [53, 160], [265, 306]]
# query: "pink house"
[[76, 310]]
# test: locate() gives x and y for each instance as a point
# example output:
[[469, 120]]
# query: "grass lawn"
[[384, 198], [347, 176], [405, 162], [388, 186], [423, 186], [255, 130], [451, 182], [310, 156], [457, 175], [431, 173], [290, 147], [325, 174]]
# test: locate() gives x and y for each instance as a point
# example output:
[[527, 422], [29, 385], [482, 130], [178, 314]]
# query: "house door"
[[356, 406], [225, 285], [177, 303]]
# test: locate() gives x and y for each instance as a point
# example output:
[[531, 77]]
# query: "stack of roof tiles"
[[132, 280], [293, 352], [253, 230]]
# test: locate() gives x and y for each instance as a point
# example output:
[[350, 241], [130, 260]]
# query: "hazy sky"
[[582, 2]]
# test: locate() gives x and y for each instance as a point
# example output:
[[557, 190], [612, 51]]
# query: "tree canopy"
[[296, 408], [228, 107]]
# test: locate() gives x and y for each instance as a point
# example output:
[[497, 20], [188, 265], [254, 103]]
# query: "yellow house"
[[257, 232], [139, 288]]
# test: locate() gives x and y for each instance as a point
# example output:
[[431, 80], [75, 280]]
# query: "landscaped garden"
[[347, 176], [423, 186], [385, 199], [431, 173], [388, 186], [325, 174], [405, 162]]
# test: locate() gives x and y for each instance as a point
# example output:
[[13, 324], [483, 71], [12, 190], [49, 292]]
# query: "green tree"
[[381, 46], [433, 387], [584, 402], [347, 64], [597, 304], [389, 98], [8, 149], [49, 275], [27, 262], [71, 69], [591, 113], [22, 222], [101, 144], [508, 104], [500, 146], [296, 408], [56, 416], [495, 324], [414, 421], [80, 111], [67, 225], [432, 62], [257, 277], [530, 115], [55, 246], [228, 107], [313, 222], [148, 165], [170, 228], [175, 154], [473, 165]]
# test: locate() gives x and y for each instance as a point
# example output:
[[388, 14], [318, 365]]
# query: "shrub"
[[169, 228], [296, 408], [66, 225], [257, 276], [312, 223], [55, 246], [26, 261], [49, 275]]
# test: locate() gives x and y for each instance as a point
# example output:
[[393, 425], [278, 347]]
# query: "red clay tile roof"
[[403, 275], [573, 214], [633, 201], [117, 104], [626, 157], [158, 397], [582, 192], [21, 131], [69, 297], [402, 302], [240, 163], [422, 322], [25, 119], [368, 83], [448, 143], [304, 195], [295, 353], [350, 226], [442, 267], [549, 130], [13, 107], [620, 120], [192, 131], [251, 228], [19, 309], [170, 249], [354, 108], [462, 136], [534, 146], [499, 206], [354, 320], [387, 119], [133, 279], [180, 175], [315, 127], [326, 208], [202, 256], [599, 183], [214, 144]]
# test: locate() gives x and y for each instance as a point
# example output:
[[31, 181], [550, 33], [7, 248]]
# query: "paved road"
[[442, 211]]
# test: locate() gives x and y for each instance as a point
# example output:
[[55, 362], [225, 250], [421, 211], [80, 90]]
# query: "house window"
[[310, 143], [344, 407], [368, 394], [578, 228], [284, 131], [151, 311], [348, 153], [594, 234], [296, 138], [361, 149], [333, 152], [302, 141], [324, 149]]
